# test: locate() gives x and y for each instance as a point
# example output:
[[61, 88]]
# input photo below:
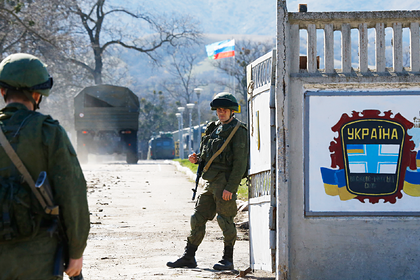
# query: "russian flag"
[[221, 49]]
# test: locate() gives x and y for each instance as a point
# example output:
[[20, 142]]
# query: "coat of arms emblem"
[[371, 158]]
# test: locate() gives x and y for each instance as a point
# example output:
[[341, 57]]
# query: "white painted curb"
[[192, 176]]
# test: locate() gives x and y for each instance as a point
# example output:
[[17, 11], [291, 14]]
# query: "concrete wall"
[[349, 246], [345, 247]]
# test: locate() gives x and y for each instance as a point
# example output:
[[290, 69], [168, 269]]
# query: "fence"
[[344, 22]]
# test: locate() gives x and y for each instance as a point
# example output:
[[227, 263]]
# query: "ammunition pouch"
[[18, 221], [210, 174]]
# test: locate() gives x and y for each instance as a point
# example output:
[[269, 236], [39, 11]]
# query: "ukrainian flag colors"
[[330, 181], [335, 183], [412, 182], [355, 149], [221, 49], [418, 159], [412, 179]]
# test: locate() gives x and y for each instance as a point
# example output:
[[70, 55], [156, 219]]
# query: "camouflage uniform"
[[42, 145], [225, 173]]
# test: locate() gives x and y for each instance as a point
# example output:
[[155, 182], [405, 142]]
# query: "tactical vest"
[[21, 213], [215, 136]]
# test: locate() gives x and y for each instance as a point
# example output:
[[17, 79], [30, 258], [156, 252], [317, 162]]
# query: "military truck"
[[106, 119], [161, 146]]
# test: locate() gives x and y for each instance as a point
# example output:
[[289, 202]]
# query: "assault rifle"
[[61, 255], [201, 164], [200, 168]]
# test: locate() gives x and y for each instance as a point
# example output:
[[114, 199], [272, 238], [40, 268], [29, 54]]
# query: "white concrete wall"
[[336, 247], [344, 247]]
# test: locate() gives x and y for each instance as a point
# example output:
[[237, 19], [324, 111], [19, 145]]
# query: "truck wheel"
[[132, 158]]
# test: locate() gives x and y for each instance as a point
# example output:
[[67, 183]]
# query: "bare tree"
[[87, 34], [26, 24], [40, 28], [94, 17], [9, 35], [183, 81], [180, 86]]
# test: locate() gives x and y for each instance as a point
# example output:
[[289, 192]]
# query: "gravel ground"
[[140, 220]]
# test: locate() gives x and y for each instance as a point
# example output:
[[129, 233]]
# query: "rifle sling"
[[22, 169], [222, 148]]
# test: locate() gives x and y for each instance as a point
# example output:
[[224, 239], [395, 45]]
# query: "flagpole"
[[233, 68], [233, 77]]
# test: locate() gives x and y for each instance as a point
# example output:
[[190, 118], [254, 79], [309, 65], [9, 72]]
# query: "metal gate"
[[262, 228]]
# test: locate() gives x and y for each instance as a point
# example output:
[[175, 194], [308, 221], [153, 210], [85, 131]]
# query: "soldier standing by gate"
[[223, 178], [29, 243]]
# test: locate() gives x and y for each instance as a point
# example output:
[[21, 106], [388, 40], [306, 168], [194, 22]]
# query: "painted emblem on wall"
[[372, 158]]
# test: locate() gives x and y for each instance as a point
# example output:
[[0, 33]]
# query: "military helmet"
[[224, 100], [23, 71]]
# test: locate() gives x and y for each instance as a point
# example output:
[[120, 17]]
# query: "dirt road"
[[140, 220]]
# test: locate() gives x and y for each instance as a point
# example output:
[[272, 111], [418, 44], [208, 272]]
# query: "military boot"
[[187, 260], [227, 260]]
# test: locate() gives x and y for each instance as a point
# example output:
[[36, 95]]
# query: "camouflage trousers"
[[209, 204], [28, 260]]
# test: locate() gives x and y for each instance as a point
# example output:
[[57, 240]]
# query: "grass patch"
[[243, 190], [243, 187], [187, 163]]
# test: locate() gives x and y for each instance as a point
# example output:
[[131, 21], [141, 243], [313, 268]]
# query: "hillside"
[[219, 16], [236, 19]]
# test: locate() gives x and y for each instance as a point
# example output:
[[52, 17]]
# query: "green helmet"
[[23, 71], [224, 100]]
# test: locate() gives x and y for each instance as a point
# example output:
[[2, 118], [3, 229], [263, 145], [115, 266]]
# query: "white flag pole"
[[233, 67]]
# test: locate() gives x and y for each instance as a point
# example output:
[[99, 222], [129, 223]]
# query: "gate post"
[[282, 143]]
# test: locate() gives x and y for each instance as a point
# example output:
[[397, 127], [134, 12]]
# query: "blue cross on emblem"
[[373, 158]]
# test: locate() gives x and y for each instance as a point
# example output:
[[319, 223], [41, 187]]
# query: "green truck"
[[161, 147], [106, 119]]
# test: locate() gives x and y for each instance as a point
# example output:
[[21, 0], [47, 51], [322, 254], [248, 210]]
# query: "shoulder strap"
[[223, 146], [22, 169]]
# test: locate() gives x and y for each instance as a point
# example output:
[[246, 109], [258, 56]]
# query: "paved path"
[[140, 220]]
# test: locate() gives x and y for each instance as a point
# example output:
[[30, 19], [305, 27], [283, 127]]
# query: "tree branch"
[[81, 64], [27, 27]]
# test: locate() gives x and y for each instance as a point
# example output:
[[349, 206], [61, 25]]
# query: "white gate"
[[260, 76]]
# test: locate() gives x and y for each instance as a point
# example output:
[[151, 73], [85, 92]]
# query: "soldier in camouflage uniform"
[[223, 178], [42, 145]]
